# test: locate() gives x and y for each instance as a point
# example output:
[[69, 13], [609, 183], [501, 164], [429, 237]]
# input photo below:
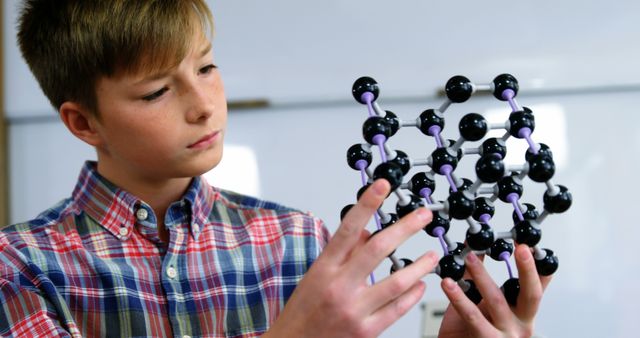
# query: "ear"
[[81, 122]]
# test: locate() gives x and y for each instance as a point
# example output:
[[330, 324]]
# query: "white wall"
[[303, 57], [293, 51]]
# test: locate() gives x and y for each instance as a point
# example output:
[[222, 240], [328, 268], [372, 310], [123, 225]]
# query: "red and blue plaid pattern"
[[94, 265]]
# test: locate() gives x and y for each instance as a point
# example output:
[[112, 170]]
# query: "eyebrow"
[[164, 73]]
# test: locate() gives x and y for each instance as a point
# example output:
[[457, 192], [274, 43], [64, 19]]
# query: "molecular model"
[[471, 201]]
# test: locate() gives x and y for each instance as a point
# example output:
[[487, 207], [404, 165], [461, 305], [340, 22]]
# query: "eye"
[[155, 94], [207, 69]]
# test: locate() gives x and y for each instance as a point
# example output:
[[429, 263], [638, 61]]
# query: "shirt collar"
[[115, 209]]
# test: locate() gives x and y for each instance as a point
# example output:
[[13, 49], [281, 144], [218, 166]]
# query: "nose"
[[200, 102]]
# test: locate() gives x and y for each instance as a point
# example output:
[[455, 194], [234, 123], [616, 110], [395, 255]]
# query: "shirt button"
[[123, 231], [171, 272], [196, 228], [142, 214]]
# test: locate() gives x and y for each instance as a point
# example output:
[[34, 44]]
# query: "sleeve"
[[24, 313], [322, 233]]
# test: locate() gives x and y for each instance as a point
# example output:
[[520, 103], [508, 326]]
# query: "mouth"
[[205, 141]]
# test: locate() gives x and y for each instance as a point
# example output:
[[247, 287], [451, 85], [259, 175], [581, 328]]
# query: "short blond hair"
[[70, 44]]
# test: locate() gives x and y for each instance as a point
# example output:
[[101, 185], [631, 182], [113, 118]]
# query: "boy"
[[144, 247]]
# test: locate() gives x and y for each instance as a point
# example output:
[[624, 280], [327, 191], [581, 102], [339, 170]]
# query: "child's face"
[[163, 126]]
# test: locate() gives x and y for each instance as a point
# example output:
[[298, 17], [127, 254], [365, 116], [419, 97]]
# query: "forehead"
[[155, 64]]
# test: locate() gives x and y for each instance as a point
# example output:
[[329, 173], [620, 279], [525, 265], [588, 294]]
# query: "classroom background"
[[288, 68]]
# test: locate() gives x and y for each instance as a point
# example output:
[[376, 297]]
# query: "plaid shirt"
[[94, 265]]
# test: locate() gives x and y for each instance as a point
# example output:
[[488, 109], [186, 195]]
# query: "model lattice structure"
[[471, 201]]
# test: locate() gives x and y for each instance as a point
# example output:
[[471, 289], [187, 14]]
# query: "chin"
[[204, 164]]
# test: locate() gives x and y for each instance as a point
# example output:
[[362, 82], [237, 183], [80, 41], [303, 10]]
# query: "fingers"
[[367, 257], [466, 309], [492, 296], [530, 284], [349, 232], [467, 275], [395, 309], [399, 282]]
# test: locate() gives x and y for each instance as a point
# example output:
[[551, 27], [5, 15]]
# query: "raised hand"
[[334, 298], [494, 317]]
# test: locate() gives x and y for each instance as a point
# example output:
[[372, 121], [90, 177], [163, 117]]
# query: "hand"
[[334, 300], [494, 317]]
